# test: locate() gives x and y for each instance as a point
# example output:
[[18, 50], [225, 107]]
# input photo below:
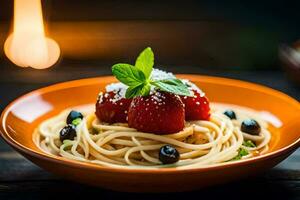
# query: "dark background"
[[236, 39], [204, 33]]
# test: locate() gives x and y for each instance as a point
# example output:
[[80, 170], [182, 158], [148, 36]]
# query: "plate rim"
[[87, 81]]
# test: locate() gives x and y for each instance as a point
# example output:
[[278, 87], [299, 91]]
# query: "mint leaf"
[[132, 77], [249, 143], [242, 152], [133, 91], [145, 62], [138, 90], [138, 77], [128, 74], [175, 86], [145, 91], [76, 121]]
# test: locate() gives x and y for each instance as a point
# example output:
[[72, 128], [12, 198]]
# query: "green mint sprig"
[[76, 121], [249, 143], [138, 77], [242, 152]]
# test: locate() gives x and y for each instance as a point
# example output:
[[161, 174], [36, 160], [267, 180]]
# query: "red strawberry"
[[196, 107], [112, 108], [160, 113]]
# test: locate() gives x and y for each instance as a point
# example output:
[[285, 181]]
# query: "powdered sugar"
[[158, 74], [191, 86], [115, 87], [119, 89]]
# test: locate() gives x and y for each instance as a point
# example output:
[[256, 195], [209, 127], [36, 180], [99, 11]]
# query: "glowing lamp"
[[28, 46]]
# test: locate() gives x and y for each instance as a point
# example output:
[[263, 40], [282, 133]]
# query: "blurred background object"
[[27, 45], [206, 34], [290, 59]]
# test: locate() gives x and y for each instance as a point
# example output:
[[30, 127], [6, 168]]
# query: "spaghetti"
[[200, 143]]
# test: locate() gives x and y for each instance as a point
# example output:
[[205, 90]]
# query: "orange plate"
[[23, 115]]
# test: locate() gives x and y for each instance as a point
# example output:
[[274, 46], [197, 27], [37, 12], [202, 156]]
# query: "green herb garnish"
[[249, 143], [76, 121], [242, 152], [138, 77]]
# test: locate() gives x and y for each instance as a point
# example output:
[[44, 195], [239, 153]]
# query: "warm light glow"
[[28, 46]]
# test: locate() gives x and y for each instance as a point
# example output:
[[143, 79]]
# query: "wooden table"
[[20, 179]]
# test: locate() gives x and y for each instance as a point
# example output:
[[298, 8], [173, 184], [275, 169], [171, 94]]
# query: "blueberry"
[[67, 133], [168, 154], [250, 126], [73, 115], [230, 114]]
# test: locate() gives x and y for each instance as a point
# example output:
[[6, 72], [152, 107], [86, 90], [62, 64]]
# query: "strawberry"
[[196, 107], [112, 108], [160, 113]]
